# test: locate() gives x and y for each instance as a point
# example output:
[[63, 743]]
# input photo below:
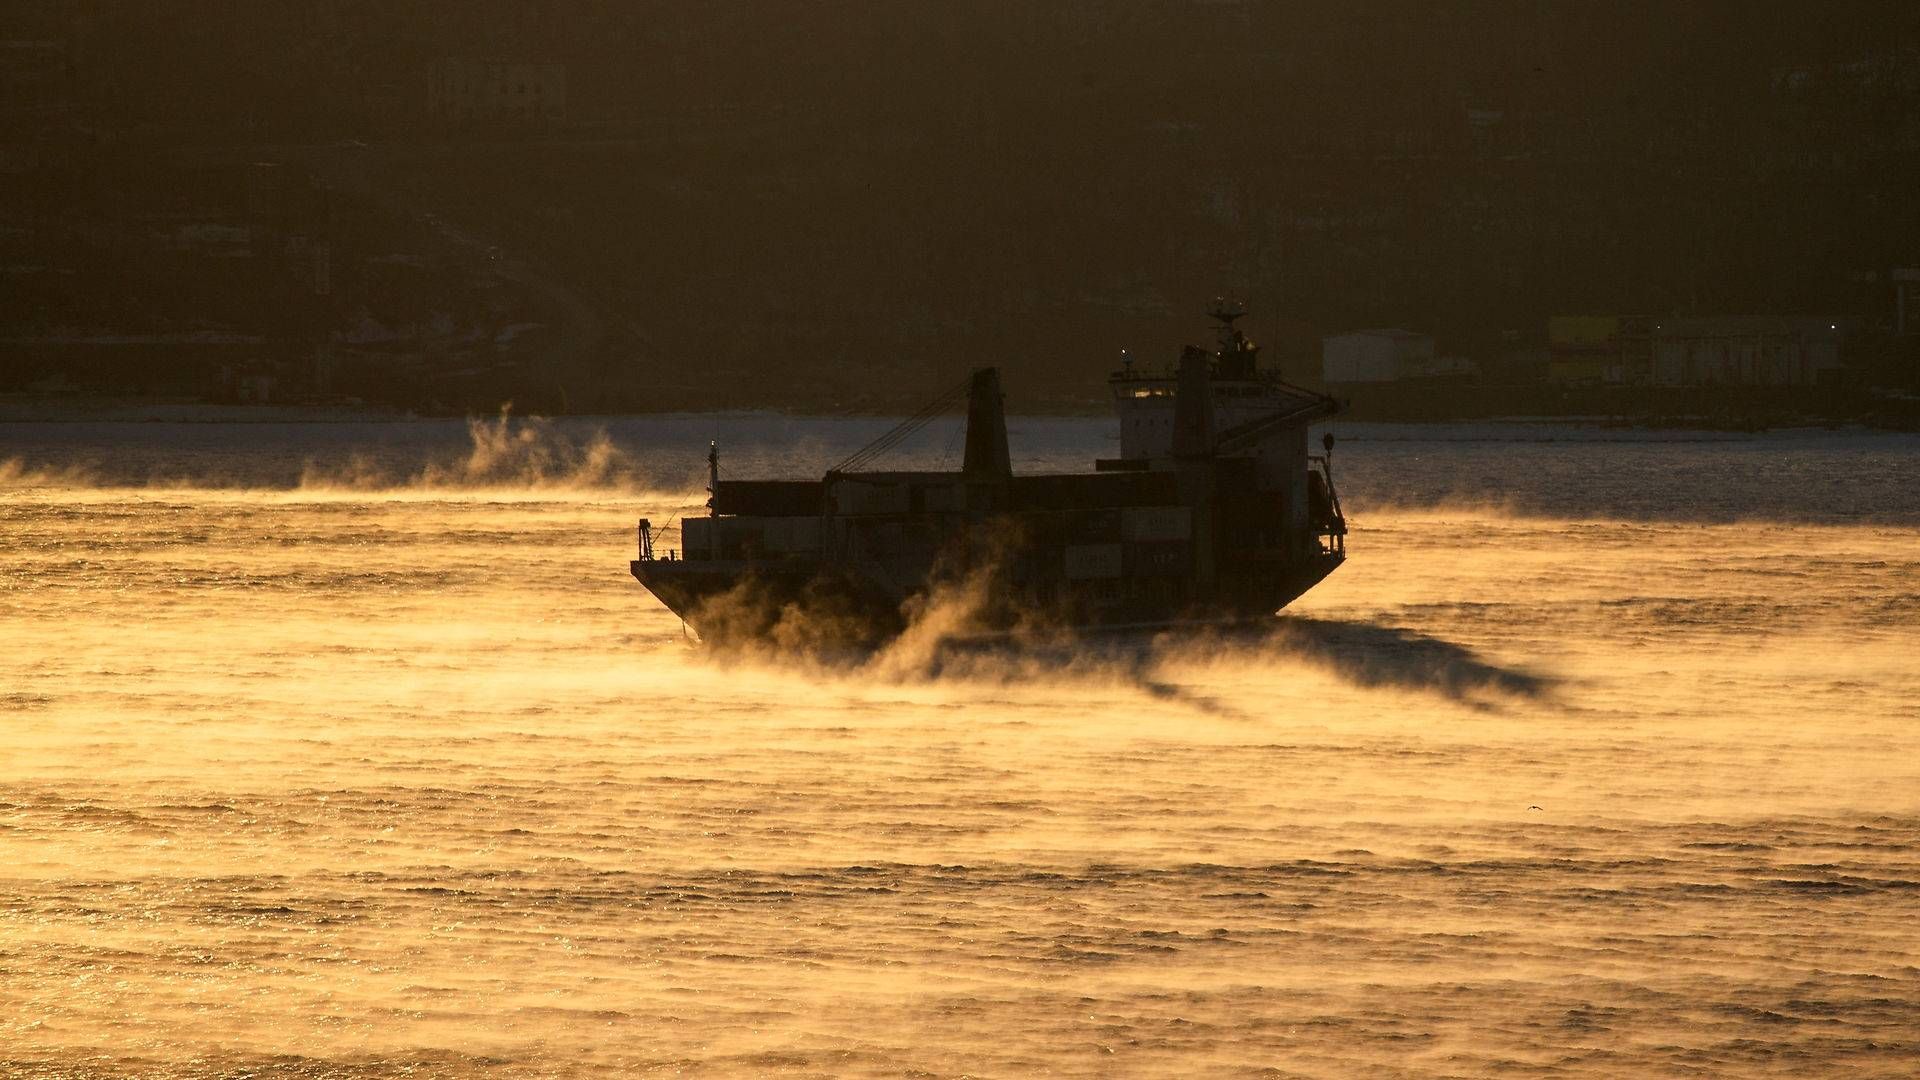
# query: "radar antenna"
[[1227, 310], [1238, 357]]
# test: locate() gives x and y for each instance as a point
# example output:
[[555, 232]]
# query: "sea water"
[[353, 749]]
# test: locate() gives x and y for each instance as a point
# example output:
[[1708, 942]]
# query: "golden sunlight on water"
[[322, 782]]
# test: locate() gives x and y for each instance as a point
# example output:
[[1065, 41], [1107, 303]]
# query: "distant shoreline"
[[22, 409], [17, 409]]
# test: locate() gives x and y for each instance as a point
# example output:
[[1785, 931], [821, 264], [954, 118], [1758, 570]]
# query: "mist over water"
[[353, 749]]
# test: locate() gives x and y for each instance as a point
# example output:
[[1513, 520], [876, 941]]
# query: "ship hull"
[[824, 604], [737, 600]]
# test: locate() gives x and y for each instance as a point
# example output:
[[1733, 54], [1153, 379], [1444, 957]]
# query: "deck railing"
[[644, 534], [1330, 533]]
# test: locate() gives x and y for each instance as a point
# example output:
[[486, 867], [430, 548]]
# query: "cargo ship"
[[1215, 511]]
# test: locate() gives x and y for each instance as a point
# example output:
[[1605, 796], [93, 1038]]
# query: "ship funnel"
[[1193, 405], [987, 427]]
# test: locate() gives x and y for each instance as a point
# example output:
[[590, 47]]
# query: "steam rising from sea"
[[353, 750]]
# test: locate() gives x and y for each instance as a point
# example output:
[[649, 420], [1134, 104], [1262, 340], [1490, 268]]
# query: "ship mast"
[[713, 477], [1238, 357]]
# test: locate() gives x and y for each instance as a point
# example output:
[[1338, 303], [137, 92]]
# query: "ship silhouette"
[[1215, 511]]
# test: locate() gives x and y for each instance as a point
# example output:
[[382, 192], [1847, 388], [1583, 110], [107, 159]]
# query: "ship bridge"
[[1219, 406]]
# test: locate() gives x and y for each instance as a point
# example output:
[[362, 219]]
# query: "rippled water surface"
[[353, 750]]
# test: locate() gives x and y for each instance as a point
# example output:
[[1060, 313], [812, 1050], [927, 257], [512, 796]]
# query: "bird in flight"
[[1535, 808]]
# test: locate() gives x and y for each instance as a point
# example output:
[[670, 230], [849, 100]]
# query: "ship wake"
[[941, 644]]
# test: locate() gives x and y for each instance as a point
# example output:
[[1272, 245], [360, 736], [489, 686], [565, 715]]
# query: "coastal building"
[[1376, 356], [1747, 350], [1726, 350], [1599, 350]]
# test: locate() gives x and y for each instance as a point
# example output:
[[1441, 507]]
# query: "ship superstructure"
[[1215, 510]]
